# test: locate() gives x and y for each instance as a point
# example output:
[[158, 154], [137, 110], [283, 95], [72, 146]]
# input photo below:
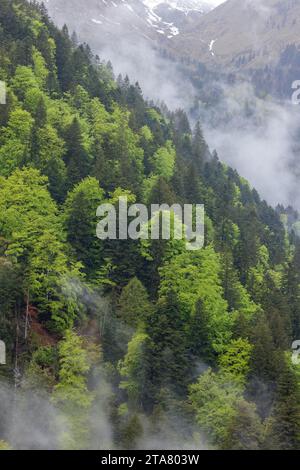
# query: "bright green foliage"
[[146, 134], [15, 140], [5, 446], [257, 275], [23, 81], [60, 115], [123, 165], [128, 157], [26, 208], [33, 100], [157, 252], [163, 161], [134, 306], [134, 369], [194, 277], [49, 160], [29, 220], [71, 394], [213, 399], [39, 68], [234, 361]]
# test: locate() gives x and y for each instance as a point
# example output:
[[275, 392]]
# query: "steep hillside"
[[135, 343]]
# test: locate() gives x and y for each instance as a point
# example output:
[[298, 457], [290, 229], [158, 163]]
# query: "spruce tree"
[[81, 222], [162, 193], [285, 428], [198, 339], [165, 329], [246, 430], [291, 289], [77, 158], [200, 149], [134, 307]]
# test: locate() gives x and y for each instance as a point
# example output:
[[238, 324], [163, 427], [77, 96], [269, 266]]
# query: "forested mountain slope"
[[129, 344]]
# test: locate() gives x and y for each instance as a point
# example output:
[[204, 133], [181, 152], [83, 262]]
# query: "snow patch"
[[211, 47], [174, 30]]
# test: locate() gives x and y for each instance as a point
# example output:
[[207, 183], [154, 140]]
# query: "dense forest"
[[131, 344]]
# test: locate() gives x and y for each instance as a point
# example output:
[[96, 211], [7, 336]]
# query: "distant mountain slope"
[[255, 38], [242, 34], [134, 35], [149, 20], [237, 34]]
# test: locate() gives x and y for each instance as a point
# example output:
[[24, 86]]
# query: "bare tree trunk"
[[16, 369], [27, 315]]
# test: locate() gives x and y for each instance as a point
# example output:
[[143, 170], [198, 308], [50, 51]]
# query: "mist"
[[259, 138], [29, 419], [159, 78]]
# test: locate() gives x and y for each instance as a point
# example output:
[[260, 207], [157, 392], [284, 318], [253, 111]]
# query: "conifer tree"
[[134, 307], [81, 222], [198, 339], [263, 360], [292, 289], [162, 193], [169, 362], [199, 148], [246, 430], [77, 158], [285, 424]]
